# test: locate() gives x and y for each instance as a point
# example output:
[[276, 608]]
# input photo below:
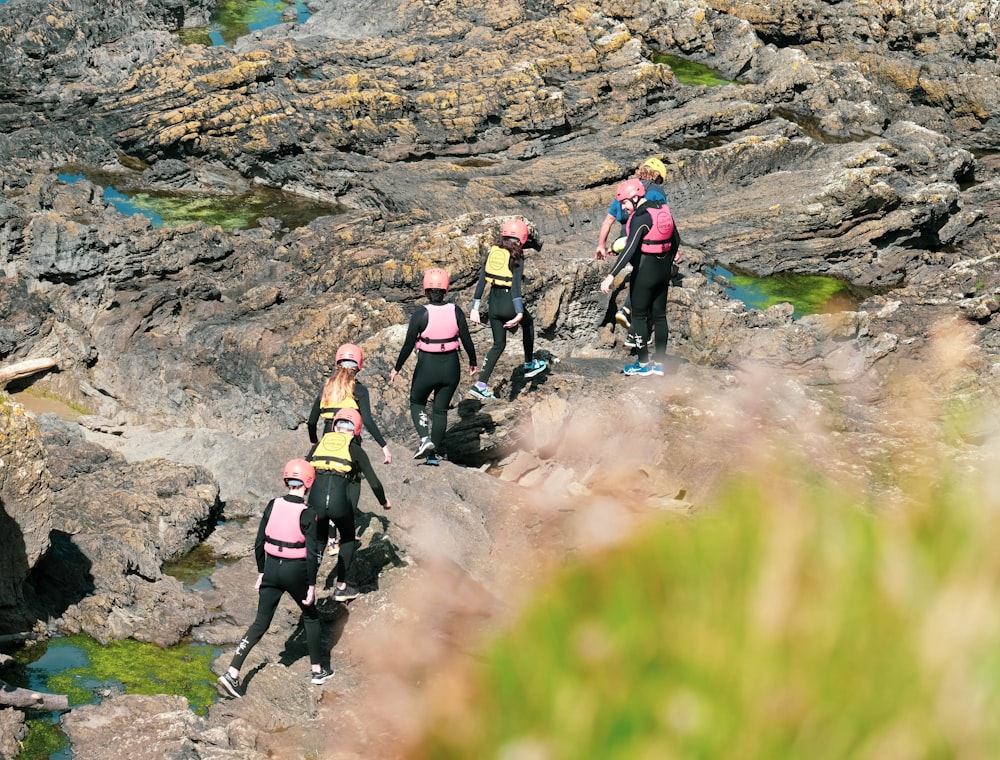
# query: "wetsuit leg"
[[528, 336], [267, 602], [658, 315], [294, 580], [499, 344], [650, 276], [342, 514]]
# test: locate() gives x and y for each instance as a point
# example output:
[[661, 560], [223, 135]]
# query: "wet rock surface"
[[855, 141]]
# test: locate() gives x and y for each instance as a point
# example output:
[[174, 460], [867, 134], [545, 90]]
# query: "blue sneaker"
[[534, 367], [643, 370], [657, 369]]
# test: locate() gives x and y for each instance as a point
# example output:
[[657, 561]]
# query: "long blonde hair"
[[338, 386]]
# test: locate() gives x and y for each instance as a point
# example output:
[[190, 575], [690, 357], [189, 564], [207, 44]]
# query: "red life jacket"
[[659, 239], [441, 333], [283, 535]]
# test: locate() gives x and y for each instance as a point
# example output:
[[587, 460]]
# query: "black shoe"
[[321, 676], [433, 460], [228, 686], [346, 593]]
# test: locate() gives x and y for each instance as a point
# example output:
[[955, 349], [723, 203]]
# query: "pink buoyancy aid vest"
[[659, 239], [441, 333], [283, 535]]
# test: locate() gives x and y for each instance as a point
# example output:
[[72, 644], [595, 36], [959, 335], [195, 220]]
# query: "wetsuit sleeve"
[[515, 288], [418, 323], [481, 282], [365, 407], [466, 337], [313, 420], [642, 222], [258, 544], [307, 524], [365, 466]]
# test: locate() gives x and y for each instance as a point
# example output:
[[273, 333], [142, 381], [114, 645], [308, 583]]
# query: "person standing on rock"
[[437, 330], [652, 246], [652, 174], [343, 390], [503, 269], [287, 553], [339, 461]]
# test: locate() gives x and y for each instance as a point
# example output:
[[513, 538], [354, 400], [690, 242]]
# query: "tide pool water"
[[808, 294], [86, 672], [231, 212]]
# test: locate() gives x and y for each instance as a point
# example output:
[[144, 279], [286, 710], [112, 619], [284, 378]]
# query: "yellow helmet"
[[657, 166]]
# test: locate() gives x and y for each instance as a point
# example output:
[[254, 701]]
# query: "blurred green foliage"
[[790, 620]]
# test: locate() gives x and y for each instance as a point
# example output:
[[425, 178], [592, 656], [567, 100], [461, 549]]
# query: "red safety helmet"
[[436, 279], [515, 228], [350, 353], [351, 415], [629, 190], [299, 469]]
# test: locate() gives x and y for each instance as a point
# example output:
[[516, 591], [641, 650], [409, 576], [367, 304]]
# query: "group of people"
[[651, 246], [324, 488]]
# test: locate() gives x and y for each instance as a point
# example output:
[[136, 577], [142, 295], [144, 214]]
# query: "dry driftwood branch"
[[14, 696], [23, 369]]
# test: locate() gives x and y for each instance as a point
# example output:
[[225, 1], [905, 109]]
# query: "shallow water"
[[691, 73], [231, 212], [86, 672], [233, 19], [808, 294]]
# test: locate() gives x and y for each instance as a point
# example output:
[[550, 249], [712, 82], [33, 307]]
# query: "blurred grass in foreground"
[[790, 620]]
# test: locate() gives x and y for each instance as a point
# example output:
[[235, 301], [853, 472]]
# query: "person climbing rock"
[[652, 246], [436, 330], [287, 552], [503, 270], [343, 390], [652, 174], [339, 460]]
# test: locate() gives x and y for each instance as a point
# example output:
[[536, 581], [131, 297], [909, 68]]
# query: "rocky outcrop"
[[25, 509], [854, 143]]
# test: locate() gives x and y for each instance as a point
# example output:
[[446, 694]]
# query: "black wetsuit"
[[505, 304], [437, 373], [330, 498], [284, 575], [648, 284]]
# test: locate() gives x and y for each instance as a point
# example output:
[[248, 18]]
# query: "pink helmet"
[[351, 415], [515, 228], [436, 278], [299, 469], [629, 189], [350, 353]]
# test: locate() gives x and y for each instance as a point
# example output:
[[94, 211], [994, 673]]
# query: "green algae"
[[691, 73], [81, 667], [233, 19], [808, 294], [44, 740]]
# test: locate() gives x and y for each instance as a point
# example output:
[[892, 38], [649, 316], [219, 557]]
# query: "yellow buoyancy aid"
[[333, 453], [498, 271]]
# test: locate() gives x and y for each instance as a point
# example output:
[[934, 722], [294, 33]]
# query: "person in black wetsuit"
[[339, 459], [503, 269], [436, 330], [652, 246], [287, 554]]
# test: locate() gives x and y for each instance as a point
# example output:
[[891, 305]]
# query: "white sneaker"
[[426, 447]]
